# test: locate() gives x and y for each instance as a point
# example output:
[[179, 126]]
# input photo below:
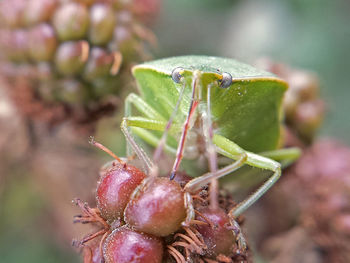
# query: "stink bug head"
[[215, 105], [247, 111]]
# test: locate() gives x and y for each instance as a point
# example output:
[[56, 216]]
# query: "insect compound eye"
[[176, 74], [226, 80]]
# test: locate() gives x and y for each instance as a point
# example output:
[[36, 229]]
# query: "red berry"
[[92, 252], [125, 245], [157, 209], [217, 236], [182, 178], [115, 188]]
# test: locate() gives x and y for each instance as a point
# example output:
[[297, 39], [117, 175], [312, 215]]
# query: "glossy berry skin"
[[127, 246], [92, 253], [157, 208], [115, 188], [218, 237]]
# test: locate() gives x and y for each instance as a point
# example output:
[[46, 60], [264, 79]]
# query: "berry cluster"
[[303, 107], [146, 218], [71, 52]]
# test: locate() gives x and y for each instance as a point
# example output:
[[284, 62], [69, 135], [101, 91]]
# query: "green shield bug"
[[229, 107]]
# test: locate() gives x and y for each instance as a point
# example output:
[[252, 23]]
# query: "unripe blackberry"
[[99, 64], [115, 188], [217, 235], [38, 11], [71, 91], [303, 107], [158, 208], [42, 43], [319, 185], [77, 39], [124, 245], [17, 45], [102, 23], [71, 57], [11, 13], [71, 21], [92, 252]]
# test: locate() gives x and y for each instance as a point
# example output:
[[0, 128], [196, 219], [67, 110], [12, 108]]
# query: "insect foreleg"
[[197, 183], [140, 126], [141, 154], [142, 106]]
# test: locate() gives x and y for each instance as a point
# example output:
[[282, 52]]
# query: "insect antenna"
[[212, 156], [177, 77], [191, 110]]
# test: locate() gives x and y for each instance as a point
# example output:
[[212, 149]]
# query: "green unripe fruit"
[[120, 4], [102, 87], [38, 11], [99, 64], [124, 41], [102, 23], [71, 57], [42, 43], [86, 2], [71, 21], [18, 45], [72, 91], [72, 38], [11, 13], [47, 91]]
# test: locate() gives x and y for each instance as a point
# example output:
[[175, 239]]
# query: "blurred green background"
[[313, 34]]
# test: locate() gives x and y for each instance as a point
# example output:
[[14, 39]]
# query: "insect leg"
[[210, 148], [140, 125], [143, 107], [285, 156], [141, 154], [197, 183], [154, 121], [162, 142], [191, 110], [231, 150]]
